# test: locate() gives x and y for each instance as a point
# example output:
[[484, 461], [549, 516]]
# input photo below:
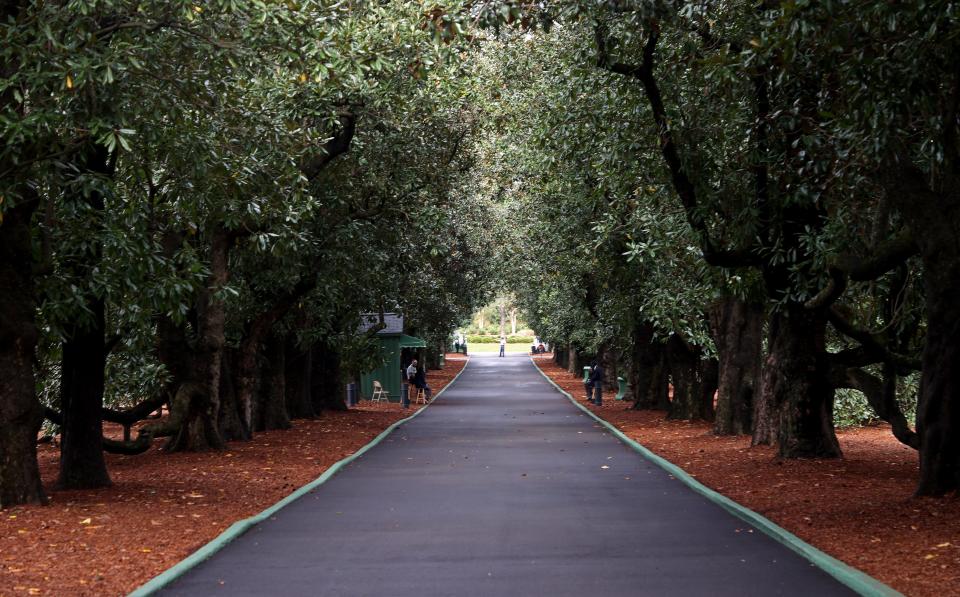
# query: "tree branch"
[[681, 181], [882, 397], [335, 146], [861, 269], [874, 344]]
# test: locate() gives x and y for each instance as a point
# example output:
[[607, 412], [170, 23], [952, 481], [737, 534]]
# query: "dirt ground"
[[162, 507], [858, 509]]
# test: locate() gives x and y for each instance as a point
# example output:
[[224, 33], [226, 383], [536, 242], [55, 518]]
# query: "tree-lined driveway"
[[502, 487]]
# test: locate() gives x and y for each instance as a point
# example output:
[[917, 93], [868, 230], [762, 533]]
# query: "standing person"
[[503, 345], [412, 371], [420, 381], [596, 382]]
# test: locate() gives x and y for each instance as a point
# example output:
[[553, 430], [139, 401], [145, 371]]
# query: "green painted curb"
[[242, 526], [847, 575]]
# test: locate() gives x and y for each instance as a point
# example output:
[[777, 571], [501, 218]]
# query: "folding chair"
[[379, 394]]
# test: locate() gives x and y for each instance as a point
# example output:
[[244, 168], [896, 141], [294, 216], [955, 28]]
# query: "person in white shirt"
[[412, 371], [503, 345]]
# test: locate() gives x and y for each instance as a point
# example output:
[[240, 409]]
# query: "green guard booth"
[[390, 373]]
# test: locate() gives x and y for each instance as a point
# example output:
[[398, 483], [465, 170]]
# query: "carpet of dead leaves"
[[859, 509], [162, 506]]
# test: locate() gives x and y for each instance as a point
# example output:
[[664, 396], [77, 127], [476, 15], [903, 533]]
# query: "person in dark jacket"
[[420, 380], [595, 382]]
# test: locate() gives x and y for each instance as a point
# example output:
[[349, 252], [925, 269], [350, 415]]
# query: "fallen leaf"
[[86, 521]]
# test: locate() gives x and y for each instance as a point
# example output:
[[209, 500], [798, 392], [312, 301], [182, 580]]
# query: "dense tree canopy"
[[200, 201], [731, 196]]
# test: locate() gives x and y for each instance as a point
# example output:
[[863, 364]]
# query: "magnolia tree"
[[198, 203], [779, 166]]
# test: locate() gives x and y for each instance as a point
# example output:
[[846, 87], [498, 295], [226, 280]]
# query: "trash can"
[[351, 394], [586, 374], [621, 388]]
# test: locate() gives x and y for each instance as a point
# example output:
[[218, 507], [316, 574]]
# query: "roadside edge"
[[847, 575], [240, 527]]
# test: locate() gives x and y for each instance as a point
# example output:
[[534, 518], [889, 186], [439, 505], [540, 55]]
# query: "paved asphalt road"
[[502, 487]]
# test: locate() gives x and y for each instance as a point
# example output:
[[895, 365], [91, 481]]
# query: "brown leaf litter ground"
[[162, 507], [859, 509]]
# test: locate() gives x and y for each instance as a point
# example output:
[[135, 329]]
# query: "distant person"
[[420, 381], [503, 345], [463, 343], [596, 384], [456, 345]]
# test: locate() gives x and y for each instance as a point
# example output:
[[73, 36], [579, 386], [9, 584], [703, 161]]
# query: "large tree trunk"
[[298, 378], [200, 429], [692, 381], [433, 353], [248, 379], [272, 404], [326, 388], [560, 357], [234, 418], [737, 329], [20, 412], [649, 381], [574, 360], [709, 371], [934, 217], [938, 409], [765, 419], [797, 378], [84, 361]]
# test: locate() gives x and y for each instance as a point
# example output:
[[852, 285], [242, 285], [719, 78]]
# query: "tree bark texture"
[[797, 378], [737, 332], [649, 380], [326, 388], [561, 357], [20, 412], [82, 370], [503, 319], [574, 361], [298, 378], [694, 381], [233, 424], [271, 403], [935, 219], [200, 429]]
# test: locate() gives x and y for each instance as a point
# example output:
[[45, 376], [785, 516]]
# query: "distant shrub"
[[850, 409], [487, 339], [475, 339], [518, 339]]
